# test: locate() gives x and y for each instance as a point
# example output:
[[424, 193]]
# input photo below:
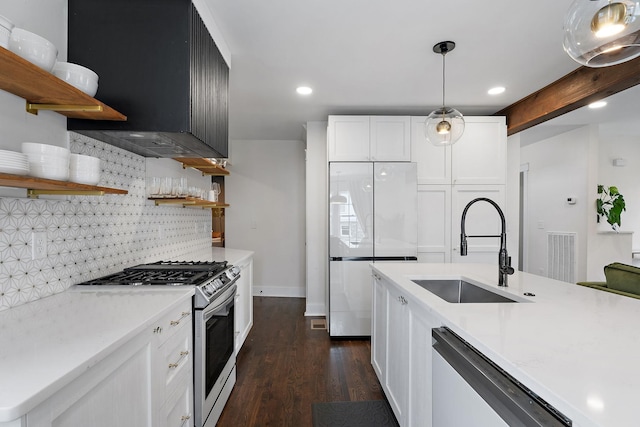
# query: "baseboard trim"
[[315, 310], [278, 291]]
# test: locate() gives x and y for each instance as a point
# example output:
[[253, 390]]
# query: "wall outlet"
[[38, 245]]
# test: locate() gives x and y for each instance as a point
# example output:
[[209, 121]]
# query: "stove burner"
[[215, 266], [172, 273]]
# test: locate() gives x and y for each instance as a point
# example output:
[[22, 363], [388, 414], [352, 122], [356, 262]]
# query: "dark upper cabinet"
[[158, 65]]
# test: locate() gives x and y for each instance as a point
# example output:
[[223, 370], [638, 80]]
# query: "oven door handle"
[[229, 295]]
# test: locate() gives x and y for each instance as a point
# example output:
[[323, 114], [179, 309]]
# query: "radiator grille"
[[561, 256]]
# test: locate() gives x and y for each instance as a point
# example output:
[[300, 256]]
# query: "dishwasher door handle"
[[510, 399]]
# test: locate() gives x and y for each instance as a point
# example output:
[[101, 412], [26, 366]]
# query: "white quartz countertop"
[[576, 347], [46, 344], [233, 256]]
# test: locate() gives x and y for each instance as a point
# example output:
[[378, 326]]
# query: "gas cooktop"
[[173, 273], [210, 279]]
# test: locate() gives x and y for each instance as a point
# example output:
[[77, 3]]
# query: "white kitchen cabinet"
[[478, 158], [390, 138], [348, 138], [434, 223], [401, 352], [439, 214], [434, 163], [379, 333], [134, 385], [369, 138], [175, 366], [482, 219], [244, 303], [123, 380], [448, 178]]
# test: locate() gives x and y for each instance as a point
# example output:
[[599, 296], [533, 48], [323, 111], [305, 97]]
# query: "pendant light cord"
[[443, 77]]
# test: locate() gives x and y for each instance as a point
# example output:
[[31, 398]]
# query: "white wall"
[[316, 237], [47, 18], [266, 194], [558, 168]]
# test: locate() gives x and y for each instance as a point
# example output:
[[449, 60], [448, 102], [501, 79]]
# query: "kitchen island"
[[577, 348]]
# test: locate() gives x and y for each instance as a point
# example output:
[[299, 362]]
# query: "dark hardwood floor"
[[285, 366]]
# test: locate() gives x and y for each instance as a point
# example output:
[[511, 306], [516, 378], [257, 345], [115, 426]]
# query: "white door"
[[397, 369], [348, 138], [390, 138], [395, 200], [479, 157], [379, 327], [434, 163], [434, 223], [482, 219]]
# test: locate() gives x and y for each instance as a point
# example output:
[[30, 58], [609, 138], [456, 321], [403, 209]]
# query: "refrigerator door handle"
[[351, 258], [395, 258]]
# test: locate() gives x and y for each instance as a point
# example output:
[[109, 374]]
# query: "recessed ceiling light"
[[598, 104], [304, 90], [496, 90]]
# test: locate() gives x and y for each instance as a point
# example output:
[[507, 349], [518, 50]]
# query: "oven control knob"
[[232, 272], [217, 283], [208, 290]]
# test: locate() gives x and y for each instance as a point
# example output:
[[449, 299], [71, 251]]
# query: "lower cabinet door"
[[180, 406], [115, 392], [397, 376]]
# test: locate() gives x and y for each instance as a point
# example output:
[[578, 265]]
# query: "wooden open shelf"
[[44, 91], [203, 165], [40, 186], [189, 202]]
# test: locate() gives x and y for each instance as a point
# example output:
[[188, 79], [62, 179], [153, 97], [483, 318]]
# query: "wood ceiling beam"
[[577, 89]]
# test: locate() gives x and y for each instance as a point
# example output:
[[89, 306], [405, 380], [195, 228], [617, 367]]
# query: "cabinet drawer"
[[179, 405], [173, 322], [177, 356]]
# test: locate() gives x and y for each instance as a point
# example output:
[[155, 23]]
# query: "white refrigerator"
[[372, 218]]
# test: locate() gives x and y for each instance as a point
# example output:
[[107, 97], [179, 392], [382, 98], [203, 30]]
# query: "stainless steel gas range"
[[213, 316]]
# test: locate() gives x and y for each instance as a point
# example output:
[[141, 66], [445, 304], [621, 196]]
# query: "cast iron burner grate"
[[172, 273]]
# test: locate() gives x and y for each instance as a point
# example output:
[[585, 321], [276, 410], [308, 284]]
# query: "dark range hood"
[[158, 65]]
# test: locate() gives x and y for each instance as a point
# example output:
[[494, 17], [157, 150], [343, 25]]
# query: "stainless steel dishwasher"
[[471, 390]]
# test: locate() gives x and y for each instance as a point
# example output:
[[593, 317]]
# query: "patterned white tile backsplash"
[[89, 236]]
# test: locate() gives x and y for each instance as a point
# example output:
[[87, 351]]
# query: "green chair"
[[622, 279]]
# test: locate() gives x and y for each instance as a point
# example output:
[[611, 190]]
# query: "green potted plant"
[[610, 204]]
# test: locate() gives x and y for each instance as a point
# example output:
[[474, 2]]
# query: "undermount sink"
[[460, 291]]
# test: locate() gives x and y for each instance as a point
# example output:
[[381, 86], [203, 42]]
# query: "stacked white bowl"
[[84, 169], [77, 76], [33, 48], [47, 161], [5, 31], [13, 162]]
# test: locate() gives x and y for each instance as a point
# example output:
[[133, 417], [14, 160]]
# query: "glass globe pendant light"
[[445, 125], [600, 33]]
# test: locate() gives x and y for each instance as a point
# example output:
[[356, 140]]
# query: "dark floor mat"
[[370, 413]]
